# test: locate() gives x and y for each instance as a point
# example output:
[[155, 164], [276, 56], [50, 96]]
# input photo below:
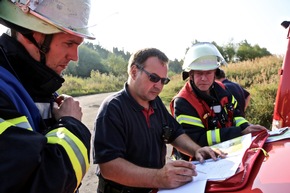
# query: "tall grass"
[[97, 83]]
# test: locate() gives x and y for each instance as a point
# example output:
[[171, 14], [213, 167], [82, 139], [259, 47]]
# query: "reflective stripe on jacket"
[[76, 150], [203, 110], [74, 147], [31, 161], [18, 122]]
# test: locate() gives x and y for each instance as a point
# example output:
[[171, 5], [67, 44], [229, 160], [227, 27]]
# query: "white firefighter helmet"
[[201, 56], [48, 16]]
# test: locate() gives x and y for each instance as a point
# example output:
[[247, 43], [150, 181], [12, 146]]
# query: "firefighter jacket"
[[207, 119], [36, 156]]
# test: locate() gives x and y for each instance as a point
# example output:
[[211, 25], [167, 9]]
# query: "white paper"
[[216, 170], [193, 186], [224, 168], [278, 137], [220, 169]]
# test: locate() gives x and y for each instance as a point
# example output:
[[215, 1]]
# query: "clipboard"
[[240, 178], [278, 132]]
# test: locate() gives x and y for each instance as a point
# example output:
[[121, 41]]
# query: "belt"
[[106, 186], [111, 189]]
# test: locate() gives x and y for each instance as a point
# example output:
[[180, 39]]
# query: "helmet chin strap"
[[44, 48]]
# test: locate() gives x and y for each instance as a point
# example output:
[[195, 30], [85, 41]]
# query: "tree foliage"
[[175, 66], [90, 59], [95, 58], [248, 52], [116, 63]]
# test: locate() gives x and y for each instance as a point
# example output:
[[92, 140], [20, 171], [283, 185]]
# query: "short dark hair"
[[142, 55], [220, 75]]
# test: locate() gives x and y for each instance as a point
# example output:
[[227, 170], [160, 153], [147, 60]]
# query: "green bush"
[[97, 83]]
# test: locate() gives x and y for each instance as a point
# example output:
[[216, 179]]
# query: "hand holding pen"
[[176, 173]]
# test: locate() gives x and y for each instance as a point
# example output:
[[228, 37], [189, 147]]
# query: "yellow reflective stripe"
[[18, 122], [226, 109], [189, 120], [4, 125], [217, 135], [208, 136], [240, 120], [21, 122], [213, 136], [234, 101], [75, 149]]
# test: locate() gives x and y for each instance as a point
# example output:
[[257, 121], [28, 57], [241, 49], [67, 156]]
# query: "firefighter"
[[44, 146], [206, 110]]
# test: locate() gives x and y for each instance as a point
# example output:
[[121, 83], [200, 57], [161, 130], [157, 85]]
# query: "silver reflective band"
[[189, 120], [73, 145], [213, 137]]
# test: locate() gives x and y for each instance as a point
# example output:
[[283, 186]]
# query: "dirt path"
[[90, 105]]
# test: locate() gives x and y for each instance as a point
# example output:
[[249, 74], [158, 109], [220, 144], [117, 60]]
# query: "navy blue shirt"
[[239, 93], [121, 130]]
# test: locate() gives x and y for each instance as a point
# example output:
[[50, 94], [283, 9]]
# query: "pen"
[[191, 162], [207, 160], [200, 172]]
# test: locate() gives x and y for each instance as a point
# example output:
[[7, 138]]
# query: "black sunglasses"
[[154, 77]]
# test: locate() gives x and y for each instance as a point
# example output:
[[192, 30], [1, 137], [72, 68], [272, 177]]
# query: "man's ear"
[[190, 74], [21, 38], [133, 71], [39, 37]]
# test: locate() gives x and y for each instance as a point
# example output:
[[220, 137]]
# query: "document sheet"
[[216, 170]]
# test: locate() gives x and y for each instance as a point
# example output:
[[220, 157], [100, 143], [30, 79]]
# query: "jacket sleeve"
[[33, 162], [193, 126], [239, 119]]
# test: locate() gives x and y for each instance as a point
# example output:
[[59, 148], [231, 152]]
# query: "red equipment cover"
[[240, 178]]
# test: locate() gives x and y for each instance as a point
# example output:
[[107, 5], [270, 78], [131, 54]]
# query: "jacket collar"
[[39, 80], [136, 106]]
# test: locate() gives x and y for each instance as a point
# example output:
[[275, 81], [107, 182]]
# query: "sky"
[[172, 25]]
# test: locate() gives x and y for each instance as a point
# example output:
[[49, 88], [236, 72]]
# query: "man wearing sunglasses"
[[132, 129]]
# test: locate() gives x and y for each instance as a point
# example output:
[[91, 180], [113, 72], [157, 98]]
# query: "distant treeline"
[[94, 58]]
